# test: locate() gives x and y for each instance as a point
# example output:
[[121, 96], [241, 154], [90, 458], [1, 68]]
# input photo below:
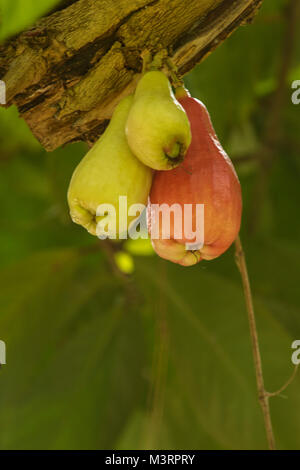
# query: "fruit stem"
[[173, 70], [263, 395], [157, 63], [181, 92], [175, 153], [146, 57], [151, 63]]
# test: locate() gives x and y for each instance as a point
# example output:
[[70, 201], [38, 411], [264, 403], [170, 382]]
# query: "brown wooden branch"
[[69, 71], [263, 395]]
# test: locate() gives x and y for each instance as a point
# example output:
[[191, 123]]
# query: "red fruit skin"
[[207, 177]]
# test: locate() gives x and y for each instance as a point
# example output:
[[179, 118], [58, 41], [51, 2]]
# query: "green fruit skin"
[[109, 170], [157, 129]]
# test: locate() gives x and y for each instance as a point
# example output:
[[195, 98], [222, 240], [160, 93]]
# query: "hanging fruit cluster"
[[162, 151]]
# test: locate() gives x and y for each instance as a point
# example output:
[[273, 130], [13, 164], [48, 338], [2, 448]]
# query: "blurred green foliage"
[[160, 358], [16, 15]]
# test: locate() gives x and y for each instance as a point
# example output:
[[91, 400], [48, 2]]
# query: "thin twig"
[[263, 396], [289, 381], [110, 249], [177, 81]]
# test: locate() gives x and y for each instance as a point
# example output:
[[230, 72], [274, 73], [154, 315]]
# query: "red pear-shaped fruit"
[[206, 177]]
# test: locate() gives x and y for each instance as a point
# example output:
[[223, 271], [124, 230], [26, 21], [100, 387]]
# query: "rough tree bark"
[[68, 72]]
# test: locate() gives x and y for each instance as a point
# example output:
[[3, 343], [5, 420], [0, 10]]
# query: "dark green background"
[[162, 360]]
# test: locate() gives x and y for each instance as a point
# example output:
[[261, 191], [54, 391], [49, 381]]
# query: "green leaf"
[[72, 351], [210, 391], [160, 358]]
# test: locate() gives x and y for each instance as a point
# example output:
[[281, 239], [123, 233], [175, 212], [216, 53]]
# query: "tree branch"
[[67, 73], [263, 396]]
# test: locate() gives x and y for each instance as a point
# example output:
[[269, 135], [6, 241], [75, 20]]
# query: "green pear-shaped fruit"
[[157, 129], [107, 173]]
